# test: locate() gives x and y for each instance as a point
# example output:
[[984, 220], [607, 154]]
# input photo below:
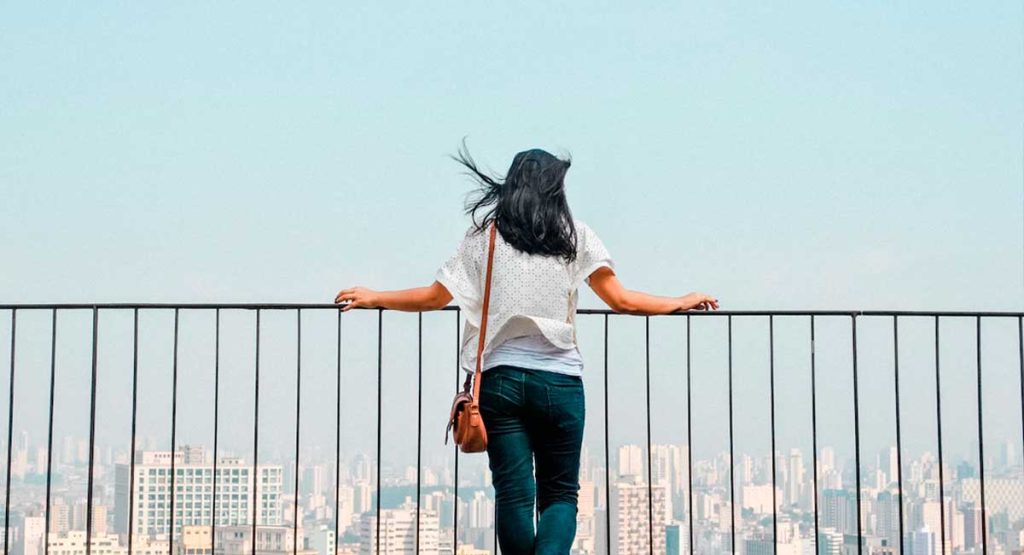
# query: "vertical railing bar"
[[981, 441], [337, 440], [298, 414], [380, 365], [174, 423], [135, 411], [92, 430], [216, 426], [689, 440], [650, 484], [1020, 360], [856, 429], [455, 447], [771, 378], [256, 436], [607, 459], [732, 462], [49, 427], [419, 420], [814, 434], [899, 436], [938, 425], [10, 434]]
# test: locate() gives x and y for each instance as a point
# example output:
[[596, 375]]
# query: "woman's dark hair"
[[528, 204]]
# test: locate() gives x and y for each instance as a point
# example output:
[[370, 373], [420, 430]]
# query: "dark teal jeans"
[[533, 415]]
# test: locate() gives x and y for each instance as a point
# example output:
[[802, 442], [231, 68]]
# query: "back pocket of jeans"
[[566, 403]]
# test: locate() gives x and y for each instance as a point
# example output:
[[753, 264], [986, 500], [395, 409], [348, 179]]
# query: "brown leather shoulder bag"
[[469, 431]]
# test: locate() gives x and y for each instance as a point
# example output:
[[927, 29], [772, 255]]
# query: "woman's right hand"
[[699, 301]]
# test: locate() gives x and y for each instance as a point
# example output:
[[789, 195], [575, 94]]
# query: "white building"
[[33, 532], [73, 543], [398, 532], [630, 461], [194, 482], [322, 541], [631, 529]]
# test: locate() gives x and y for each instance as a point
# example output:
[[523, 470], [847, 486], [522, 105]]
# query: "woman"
[[531, 394]]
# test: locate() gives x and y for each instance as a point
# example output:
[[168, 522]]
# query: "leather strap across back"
[[483, 317]]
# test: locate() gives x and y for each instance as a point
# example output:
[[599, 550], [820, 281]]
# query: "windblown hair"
[[528, 204]]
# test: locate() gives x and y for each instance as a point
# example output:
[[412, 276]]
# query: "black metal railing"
[[812, 317]]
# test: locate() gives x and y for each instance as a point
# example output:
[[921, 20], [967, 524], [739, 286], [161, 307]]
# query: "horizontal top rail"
[[331, 306]]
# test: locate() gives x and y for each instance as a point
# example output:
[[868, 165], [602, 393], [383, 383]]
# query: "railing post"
[[899, 443], [607, 459], [256, 437], [92, 431], [814, 436], [732, 462], [337, 440], [419, 421], [10, 434], [856, 430], [938, 426], [174, 423], [981, 441], [380, 366], [49, 428], [689, 439], [298, 415], [771, 381], [216, 427], [455, 446], [647, 398]]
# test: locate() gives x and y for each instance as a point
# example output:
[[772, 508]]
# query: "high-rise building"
[[195, 500], [922, 542], [631, 526], [398, 532], [827, 459], [362, 493], [673, 544], [1001, 494], [481, 510], [631, 462], [322, 541], [887, 520], [930, 517], [32, 534], [41, 460], [664, 459], [758, 498], [830, 541], [60, 516], [838, 510], [972, 525], [795, 482], [887, 463], [99, 516]]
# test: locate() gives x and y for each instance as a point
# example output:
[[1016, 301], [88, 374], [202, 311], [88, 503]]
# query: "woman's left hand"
[[356, 297]]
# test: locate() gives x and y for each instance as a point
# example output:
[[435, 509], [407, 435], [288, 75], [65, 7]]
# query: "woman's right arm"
[[608, 287]]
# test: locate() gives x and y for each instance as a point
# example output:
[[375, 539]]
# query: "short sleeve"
[[591, 254], [461, 274]]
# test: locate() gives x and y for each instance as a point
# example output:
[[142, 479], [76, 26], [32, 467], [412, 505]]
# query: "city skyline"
[[794, 491]]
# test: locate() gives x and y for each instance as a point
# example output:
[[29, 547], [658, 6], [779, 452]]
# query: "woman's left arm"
[[417, 299]]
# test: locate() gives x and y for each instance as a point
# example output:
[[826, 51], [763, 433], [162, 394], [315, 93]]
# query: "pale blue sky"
[[807, 155]]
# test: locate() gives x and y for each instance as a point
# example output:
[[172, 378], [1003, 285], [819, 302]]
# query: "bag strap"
[[483, 321]]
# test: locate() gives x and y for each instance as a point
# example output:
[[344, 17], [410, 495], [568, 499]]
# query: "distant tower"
[[796, 476], [631, 462]]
